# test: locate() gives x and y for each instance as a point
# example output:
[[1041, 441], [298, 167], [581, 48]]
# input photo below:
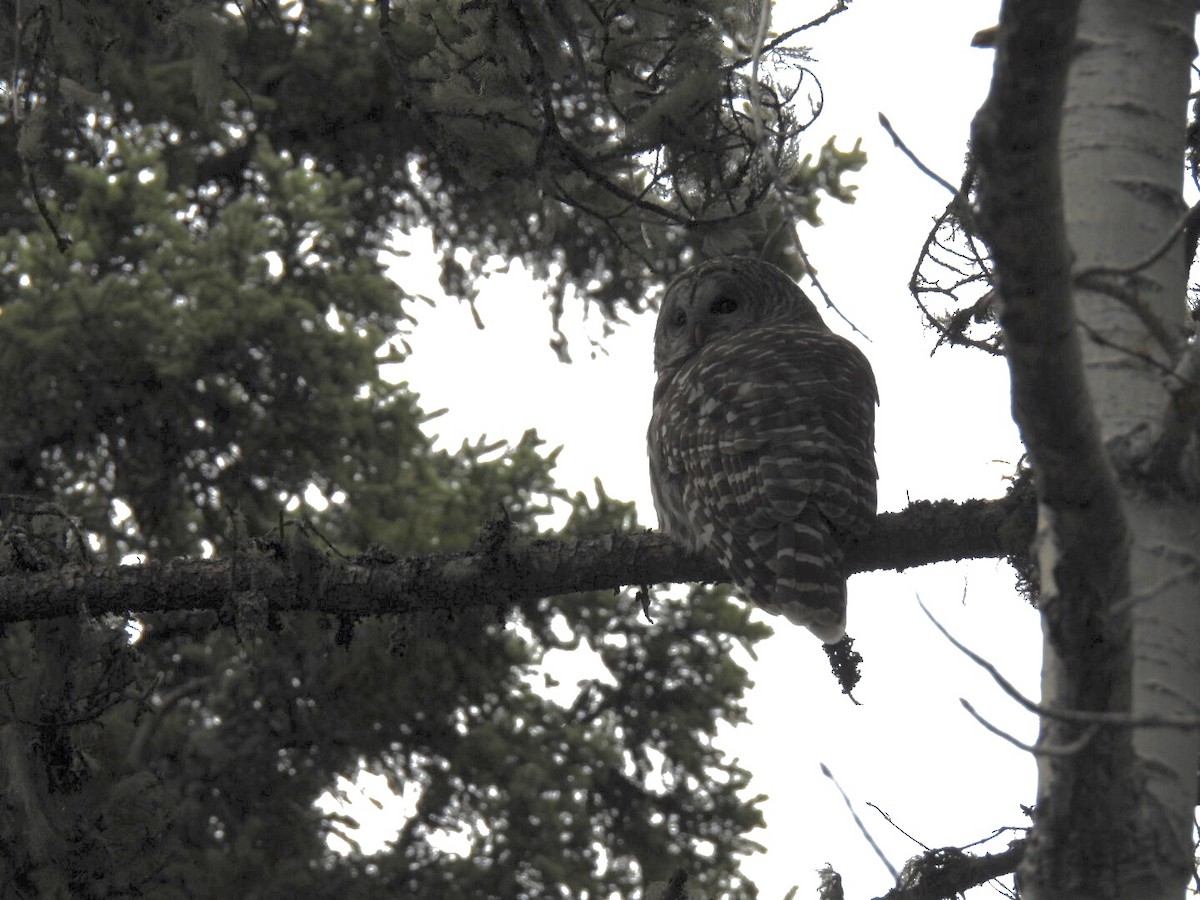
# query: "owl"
[[762, 437]]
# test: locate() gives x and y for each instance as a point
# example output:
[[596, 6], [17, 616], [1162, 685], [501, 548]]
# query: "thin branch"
[[861, 826], [1096, 280], [1004, 683], [839, 7], [1074, 716], [1036, 749], [887, 126], [812, 275], [769, 159], [964, 268], [1190, 219], [1134, 353], [891, 822], [1185, 573], [1180, 416]]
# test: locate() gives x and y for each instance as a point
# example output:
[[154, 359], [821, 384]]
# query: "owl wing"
[[770, 449], [776, 418]]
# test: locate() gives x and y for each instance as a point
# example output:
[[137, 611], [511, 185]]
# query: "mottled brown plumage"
[[762, 437]]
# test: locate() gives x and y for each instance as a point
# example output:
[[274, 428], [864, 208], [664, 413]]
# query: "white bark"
[[1122, 618], [1122, 150], [1122, 142]]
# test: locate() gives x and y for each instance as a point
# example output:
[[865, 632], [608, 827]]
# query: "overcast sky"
[[944, 430]]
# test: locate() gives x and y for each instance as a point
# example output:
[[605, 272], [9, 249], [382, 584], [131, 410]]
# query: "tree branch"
[[916, 160], [1016, 140], [514, 569], [1093, 803], [839, 6], [949, 872], [1179, 419]]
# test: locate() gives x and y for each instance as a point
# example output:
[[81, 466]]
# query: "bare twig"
[[1097, 338], [1127, 292], [859, 822], [891, 822], [1189, 219], [1004, 683], [1179, 419], [1076, 716], [812, 275], [839, 7], [955, 270], [768, 158], [1118, 283], [887, 126], [1036, 749]]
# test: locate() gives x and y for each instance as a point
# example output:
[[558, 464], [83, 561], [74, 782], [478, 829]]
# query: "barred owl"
[[762, 437]]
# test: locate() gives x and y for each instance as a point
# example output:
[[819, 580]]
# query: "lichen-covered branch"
[[948, 872], [298, 575]]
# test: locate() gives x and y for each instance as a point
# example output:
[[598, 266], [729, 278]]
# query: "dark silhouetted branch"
[[948, 872], [288, 577]]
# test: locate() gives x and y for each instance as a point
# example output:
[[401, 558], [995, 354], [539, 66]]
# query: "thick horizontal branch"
[[295, 576], [946, 873]]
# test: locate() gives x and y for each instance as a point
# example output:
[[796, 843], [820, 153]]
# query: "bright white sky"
[[944, 431]]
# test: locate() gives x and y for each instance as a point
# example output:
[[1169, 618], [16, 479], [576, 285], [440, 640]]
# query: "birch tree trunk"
[[1080, 145]]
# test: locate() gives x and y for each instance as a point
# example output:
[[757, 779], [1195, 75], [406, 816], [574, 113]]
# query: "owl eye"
[[723, 306]]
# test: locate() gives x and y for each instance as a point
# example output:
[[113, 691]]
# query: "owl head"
[[722, 297]]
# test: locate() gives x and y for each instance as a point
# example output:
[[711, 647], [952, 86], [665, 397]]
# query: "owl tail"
[[810, 589]]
